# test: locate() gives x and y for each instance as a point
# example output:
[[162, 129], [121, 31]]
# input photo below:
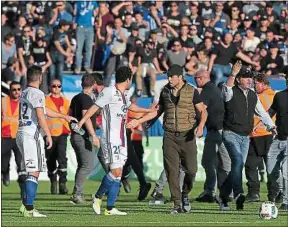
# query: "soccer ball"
[[268, 210]]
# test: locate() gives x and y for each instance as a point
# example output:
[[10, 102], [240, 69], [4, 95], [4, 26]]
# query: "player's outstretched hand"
[[95, 141], [70, 118], [49, 142], [132, 124]]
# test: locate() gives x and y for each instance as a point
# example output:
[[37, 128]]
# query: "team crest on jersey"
[[124, 108]]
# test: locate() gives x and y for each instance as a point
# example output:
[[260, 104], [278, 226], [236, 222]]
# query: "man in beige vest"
[[179, 102]]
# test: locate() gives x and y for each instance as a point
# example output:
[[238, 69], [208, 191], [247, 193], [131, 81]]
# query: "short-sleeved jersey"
[[114, 106], [31, 98]]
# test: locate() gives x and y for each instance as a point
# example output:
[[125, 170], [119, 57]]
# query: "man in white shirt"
[[114, 102]]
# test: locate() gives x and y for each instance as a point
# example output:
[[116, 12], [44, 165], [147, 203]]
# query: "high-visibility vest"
[[266, 98], [136, 132], [56, 124], [9, 118]]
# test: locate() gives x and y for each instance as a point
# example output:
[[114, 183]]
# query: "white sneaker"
[[114, 211], [21, 209], [33, 213], [96, 204]]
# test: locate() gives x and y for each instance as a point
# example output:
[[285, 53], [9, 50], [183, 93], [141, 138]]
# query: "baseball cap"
[[273, 45], [175, 70], [245, 72], [63, 22], [134, 26], [264, 17], [247, 18]]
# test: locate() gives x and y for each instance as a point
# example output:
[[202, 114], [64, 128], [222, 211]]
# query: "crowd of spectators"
[[148, 37]]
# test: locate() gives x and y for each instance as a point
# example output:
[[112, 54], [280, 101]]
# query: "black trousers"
[[258, 150], [133, 161], [57, 153], [8, 145], [139, 150]]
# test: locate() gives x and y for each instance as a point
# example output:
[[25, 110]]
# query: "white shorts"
[[115, 155], [33, 152]]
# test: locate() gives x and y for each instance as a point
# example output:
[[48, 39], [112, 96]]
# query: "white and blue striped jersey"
[[31, 98], [114, 106]]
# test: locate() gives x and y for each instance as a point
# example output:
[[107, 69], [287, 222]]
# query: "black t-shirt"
[[224, 55], [39, 54], [211, 97], [280, 106], [147, 56], [82, 102], [60, 37], [26, 45]]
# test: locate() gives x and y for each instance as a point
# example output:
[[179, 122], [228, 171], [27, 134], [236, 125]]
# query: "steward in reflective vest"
[[9, 128], [59, 130]]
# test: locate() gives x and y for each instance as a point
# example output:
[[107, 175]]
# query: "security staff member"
[[240, 105], [260, 140], [277, 157], [59, 130], [213, 146], [9, 128], [179, 101]]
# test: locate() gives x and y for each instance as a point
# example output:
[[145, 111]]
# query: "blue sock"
[[113, 193], [31, 186], [23, 192], [106, 183]]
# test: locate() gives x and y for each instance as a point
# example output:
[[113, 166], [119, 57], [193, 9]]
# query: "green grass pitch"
[[61, 213]]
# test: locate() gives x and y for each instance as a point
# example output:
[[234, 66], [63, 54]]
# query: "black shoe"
[[63, 189], [271, 198], [143, 192], [250, 198], [186, 204], [284, 207], [6, 179], [126, 185], [279, 198], [176, 210], [240, 202], [205, 197], [53, 187]]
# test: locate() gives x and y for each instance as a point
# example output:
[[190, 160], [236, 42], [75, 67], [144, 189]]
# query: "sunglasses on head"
[[16, 89], [55, 85]]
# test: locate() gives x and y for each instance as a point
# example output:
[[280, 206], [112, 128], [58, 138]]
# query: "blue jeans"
[[84, 35], [56, 69], [277, 159], [219, 71], [237, 147]]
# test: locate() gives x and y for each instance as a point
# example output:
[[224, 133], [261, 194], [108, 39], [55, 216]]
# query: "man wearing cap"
[[278, 153], [240, 104], [60, 49], [179, 102]]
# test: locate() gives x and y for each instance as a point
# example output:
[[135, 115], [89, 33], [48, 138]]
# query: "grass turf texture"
[[61, 212]]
